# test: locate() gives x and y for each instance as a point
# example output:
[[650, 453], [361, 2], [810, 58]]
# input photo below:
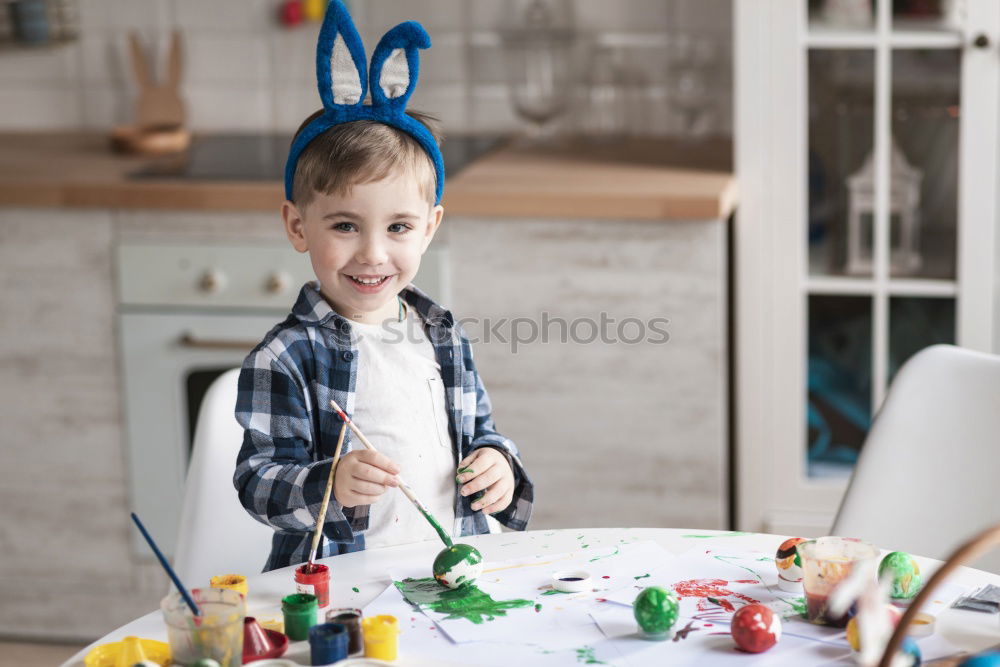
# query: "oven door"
[[169, 361]]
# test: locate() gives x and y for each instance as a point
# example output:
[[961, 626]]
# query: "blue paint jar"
[[327, 643]]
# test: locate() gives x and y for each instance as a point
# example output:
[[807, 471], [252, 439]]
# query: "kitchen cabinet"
[[866, 150]]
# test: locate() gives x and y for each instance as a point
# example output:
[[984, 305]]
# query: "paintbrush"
[[166, 566], [326, 500], [403, 486]]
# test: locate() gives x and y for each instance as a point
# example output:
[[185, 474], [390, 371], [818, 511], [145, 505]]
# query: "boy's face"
[[365, 244]]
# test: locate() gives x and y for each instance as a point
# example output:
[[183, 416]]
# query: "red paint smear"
[[601, 600], [711, 588], [605, 577], [746, 581], [708, 625]]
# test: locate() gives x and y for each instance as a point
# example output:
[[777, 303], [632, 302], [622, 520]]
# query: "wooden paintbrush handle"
[[403, 486], [326, 496]]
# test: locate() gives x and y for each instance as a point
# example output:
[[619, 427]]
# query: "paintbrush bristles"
[[326, 497]]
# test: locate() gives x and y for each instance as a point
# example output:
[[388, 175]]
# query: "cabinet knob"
[[276, 283], [211, 281], [981, 41]]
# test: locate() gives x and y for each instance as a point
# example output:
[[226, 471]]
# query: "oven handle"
[[188, 340]]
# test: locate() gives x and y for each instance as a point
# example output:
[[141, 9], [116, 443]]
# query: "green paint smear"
[[730, 534], [554, 592], [538, 607], [613, 553], [642, 576], [467, 602], [355, 589], [798, 605], [440, 531], [586, 656], [462, 471]]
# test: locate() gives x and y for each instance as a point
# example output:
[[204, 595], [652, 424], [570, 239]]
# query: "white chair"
[[929, 474], [216, 535]]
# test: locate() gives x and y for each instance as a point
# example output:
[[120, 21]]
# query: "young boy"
[[364, 205]]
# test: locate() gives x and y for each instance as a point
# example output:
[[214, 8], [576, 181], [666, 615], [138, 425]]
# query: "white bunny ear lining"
[[344, 75], [395, 77]]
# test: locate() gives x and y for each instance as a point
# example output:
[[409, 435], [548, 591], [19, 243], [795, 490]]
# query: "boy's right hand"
[[362, 477]]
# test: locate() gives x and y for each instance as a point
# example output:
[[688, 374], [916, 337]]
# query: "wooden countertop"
[[642, 180]]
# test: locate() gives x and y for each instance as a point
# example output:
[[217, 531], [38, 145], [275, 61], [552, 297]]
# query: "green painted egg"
[[458, 565], [656, 611], [903, 574]]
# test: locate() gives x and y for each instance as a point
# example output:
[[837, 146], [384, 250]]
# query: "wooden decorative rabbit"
[[159, 110]]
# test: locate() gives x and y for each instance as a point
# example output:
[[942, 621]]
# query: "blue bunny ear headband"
[[343, 84]]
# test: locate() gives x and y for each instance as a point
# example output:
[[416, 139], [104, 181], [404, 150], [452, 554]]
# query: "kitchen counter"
[[647, 180]]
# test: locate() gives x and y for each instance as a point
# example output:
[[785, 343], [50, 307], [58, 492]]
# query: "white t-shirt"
[[400, 406]]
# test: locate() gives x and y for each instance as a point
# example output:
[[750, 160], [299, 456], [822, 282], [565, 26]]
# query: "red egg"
[[755, 628]]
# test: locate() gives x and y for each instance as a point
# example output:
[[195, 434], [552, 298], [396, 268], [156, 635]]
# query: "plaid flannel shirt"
[[283, 403]]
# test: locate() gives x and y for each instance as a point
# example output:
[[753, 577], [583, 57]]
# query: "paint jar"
[[315, 580], [328, 643], [300, 614], [351, 619], [217, 633], [826, 562], [236, 582], [128, 651], [381, 636]]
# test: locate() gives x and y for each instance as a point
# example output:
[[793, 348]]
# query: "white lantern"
[[904, 216]]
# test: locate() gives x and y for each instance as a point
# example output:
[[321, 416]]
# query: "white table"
[[367, 571]]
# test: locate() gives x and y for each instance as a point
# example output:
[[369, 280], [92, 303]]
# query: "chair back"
[[216, 535], [929, 473]]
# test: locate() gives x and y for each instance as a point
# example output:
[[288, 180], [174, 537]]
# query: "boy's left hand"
[[489, 470]]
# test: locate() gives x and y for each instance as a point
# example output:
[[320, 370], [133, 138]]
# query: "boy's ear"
[[433, 222], [294, 226]]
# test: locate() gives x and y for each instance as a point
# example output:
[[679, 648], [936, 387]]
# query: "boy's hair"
[[361, 151]]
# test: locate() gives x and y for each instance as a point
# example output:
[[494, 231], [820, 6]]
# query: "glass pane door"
[[883, 102]]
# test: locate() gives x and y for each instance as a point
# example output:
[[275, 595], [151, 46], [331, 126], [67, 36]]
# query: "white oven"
[[187, 313]]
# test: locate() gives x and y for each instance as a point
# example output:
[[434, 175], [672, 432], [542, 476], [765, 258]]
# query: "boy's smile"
[[365, 244]]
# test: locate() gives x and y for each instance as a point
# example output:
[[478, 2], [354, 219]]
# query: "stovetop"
[[261, 157]]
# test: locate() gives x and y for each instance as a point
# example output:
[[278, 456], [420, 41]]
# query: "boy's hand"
[[486, 468], [362, 477]]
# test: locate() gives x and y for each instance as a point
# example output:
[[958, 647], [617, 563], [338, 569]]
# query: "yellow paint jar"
[[234, 582], [381, 636]]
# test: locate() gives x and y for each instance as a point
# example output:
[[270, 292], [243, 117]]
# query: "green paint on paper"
[[553, 592], [440, 531], [467, 602], [730, 534], [579, 537], [584, 546], [586, 656], [613, 553], [538, 607], [355, 589], [642, 576], [798, 605], [728, 561]]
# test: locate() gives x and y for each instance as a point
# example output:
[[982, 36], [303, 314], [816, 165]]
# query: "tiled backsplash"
[[245, 72]]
